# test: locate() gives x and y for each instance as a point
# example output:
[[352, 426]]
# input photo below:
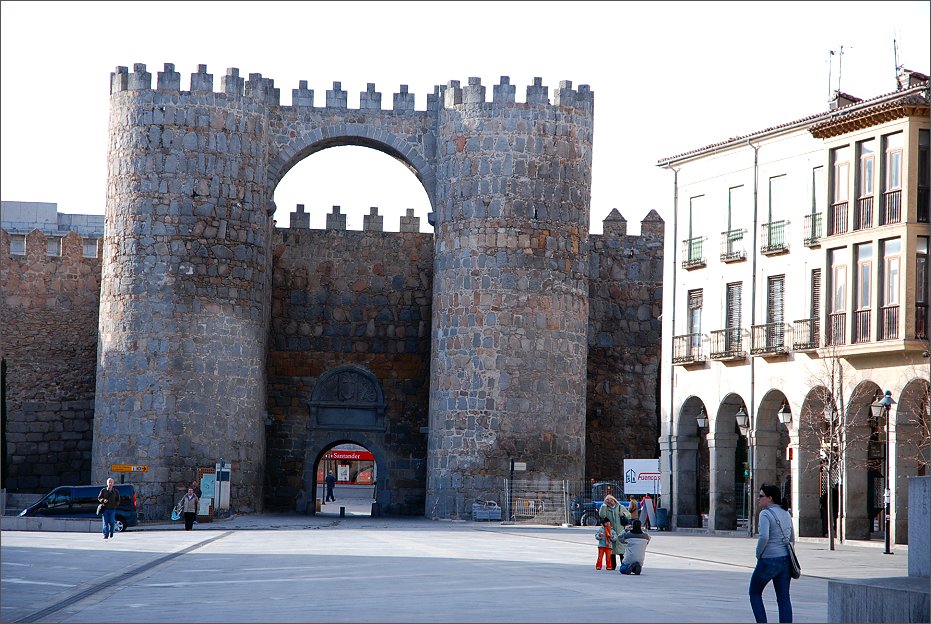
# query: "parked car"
[[585, 506], [80, 501]]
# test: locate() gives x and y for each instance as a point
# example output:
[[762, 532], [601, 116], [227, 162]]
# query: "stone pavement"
[[291, 568]]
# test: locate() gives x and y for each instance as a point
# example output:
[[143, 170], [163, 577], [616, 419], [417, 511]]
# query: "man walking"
[[109, 499], [330, 485]]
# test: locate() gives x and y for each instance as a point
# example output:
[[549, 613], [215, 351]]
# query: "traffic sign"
[[128, 468]]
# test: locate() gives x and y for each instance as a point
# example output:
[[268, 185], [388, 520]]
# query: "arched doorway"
[[346, 478], [912, 443], [728, 466]]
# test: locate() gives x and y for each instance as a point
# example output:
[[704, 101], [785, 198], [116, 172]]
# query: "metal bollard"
[[342, 512]]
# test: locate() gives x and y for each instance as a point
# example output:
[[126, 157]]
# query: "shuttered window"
[[775, 317], [732, 313]]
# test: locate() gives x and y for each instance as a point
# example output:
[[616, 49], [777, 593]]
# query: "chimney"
[[908, 78], [842, 99]]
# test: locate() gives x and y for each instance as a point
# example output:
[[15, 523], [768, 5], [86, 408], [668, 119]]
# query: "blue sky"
[[668, 77]]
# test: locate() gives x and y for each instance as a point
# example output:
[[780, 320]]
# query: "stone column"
[[723, 513]]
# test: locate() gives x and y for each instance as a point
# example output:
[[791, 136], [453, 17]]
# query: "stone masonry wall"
[[48, 337], [350, 297], [623, 345]]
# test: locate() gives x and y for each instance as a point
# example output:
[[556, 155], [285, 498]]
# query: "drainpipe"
[[752, 430], [672, 324]]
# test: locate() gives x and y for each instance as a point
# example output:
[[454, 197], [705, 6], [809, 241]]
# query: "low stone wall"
[[69, 525], [919, 527], [893, 599]]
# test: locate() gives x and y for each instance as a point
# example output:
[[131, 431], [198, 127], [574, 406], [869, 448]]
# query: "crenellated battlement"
[[262, 89]]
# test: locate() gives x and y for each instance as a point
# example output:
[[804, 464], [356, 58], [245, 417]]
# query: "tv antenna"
[[898, 67]]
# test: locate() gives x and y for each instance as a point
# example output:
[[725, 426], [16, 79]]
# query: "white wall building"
[[799, 284]]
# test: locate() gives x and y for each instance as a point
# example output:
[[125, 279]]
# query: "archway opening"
[[318, 184], [346, 478]]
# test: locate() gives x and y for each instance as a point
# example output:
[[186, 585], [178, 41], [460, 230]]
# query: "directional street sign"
[[128, 468]]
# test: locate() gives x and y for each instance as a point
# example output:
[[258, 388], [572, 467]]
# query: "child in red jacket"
[[606, 540]]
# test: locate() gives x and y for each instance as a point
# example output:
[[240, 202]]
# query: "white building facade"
[[798, 292]]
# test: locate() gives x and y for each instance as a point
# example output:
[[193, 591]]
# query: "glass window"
[[893, 161], [695, 306], [90, 247], [841, 162], [735, 205], [54, 246], [18, 244], [838, 280], [921, 272], [818, 196], [892, 249], [864, 273], [777, 198], [865, 173], [695, 212]]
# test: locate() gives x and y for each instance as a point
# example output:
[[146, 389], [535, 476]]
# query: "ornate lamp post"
[[743, 422], [702, 421], [881, 410]]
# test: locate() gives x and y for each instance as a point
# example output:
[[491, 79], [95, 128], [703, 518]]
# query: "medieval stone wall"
[[622, 411], [48, 316], [359, 298]]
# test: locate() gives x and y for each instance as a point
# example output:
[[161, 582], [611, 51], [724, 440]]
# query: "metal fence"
[[529, 502]]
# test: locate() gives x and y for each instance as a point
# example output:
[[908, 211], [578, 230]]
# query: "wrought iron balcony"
[[863, 213], [892, 208], [768, 339], [889, 328], [806, 334], [692, 254], [727, 344], [732, 246], [813, 225], [687, 349], [836, 334], [862, 325], [775, 238], [837, 218]]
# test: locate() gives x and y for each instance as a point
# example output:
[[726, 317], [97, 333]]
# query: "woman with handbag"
[[188, 506], [772, 556]]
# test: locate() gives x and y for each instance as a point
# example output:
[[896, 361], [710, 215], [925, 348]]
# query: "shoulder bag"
[[795, 569]]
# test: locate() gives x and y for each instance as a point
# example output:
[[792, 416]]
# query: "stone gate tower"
[[184, 294], [510, 297]]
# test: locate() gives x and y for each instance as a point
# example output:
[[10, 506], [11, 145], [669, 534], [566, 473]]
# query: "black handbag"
[[795, 568]]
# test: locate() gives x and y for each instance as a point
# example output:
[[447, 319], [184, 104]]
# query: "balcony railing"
[[924, 205], [732, 246], [692, 255], [813, 227], [774, 235], [863, 213], [768, 338], [892, 207], [806, 335], [889, 330], [837, 329], [837, 219], [861, 325], [921, 321], [686, 349], [727, 344]]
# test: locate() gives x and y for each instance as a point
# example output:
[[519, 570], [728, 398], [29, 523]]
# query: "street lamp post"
[[881, 409], [743, 422], [702, 421]]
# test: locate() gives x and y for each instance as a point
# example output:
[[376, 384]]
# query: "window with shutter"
[[815, 324], [775, 294], [732, 337]]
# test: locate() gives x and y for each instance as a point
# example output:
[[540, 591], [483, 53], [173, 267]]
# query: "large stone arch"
[[770, 439], [724, 445], [910, 439], [863, 467], [407, 138], [809, 496]]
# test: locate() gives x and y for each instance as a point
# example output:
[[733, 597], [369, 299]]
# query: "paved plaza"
[[294, 568]]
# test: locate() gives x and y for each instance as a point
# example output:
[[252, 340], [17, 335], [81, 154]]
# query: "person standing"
[[634, 508], [109, 497], [772, 556], [188, 506], [330, 485], [605, 539], [618, 515], [196, 486], [636, 541]]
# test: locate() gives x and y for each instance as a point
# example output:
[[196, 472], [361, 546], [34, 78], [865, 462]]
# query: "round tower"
[[184, 299], [510, 298]]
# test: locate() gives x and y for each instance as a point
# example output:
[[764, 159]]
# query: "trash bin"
[[662, 519]]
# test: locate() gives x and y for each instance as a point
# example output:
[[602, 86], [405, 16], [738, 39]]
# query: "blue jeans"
[[775, 569], [109, 522]]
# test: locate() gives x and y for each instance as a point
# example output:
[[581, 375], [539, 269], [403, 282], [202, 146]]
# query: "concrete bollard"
[[342, 512]]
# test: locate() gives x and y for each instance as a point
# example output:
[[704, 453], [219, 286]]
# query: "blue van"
[[80, 501]]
